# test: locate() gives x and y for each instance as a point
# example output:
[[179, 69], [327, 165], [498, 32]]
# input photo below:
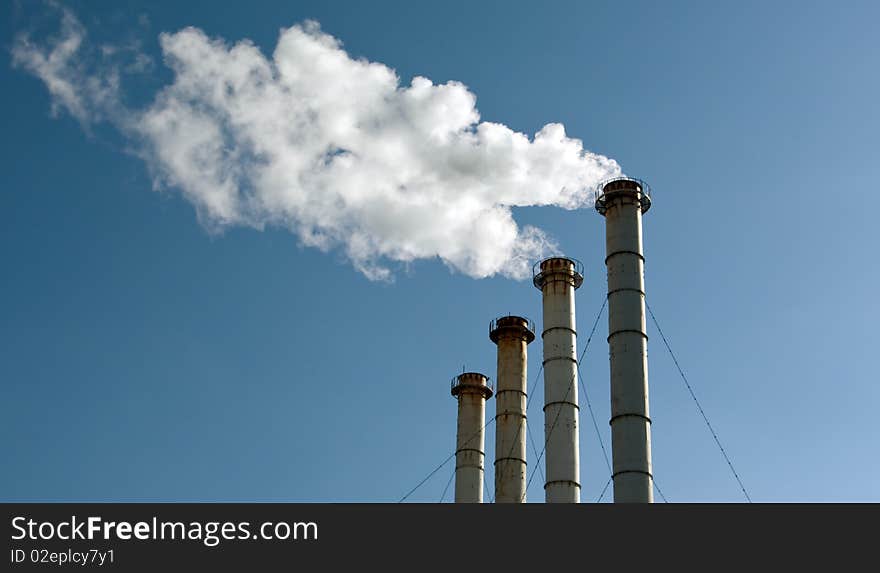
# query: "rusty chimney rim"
[[567, 266], [513, 326], [619, 186], [473, 382]]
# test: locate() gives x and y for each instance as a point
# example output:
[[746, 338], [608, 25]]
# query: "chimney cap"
[[618, 186], [552, 266], [515, 326], [473, 382]]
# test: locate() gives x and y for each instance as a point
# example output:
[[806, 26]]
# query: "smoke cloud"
[[334, 148]]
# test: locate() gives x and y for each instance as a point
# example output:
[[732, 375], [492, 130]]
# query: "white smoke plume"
[[332, 147]]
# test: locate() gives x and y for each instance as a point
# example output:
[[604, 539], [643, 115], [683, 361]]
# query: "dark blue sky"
[[145, 358]]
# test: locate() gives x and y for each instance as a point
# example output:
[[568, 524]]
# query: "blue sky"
[[144, 356]]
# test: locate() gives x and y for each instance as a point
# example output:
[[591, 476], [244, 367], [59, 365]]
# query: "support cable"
[[534, 450], [699, 407], [528, 402], [445, 489], [604, 489], [444, 462], [657, 487], [593, 418]]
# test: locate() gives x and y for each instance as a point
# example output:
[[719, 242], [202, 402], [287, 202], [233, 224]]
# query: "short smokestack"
[[471, 389], [557, 279], [623, 201], [512, 334]]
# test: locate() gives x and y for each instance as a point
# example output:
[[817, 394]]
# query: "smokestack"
[[512, 334], [558, 278], [472, 390], [623, 201]]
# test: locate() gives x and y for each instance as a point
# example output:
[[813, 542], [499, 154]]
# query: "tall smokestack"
[[558, 278], [623, 201], [472, 390], [512, 334]]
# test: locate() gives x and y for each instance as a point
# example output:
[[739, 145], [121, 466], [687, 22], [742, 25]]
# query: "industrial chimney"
[[557, 279], [623, 201], [512, 334], [471, 389]]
